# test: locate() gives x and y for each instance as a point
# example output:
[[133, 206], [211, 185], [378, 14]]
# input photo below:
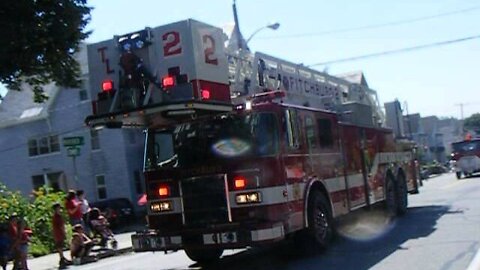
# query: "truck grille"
[[204, 201]]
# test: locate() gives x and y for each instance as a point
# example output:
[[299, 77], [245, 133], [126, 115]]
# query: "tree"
[[473, 122], [39, 40]]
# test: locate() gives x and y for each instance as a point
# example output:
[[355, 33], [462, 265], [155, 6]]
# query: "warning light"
[[107, 85], [205, 94], [163, 191], [240, 182], [168, 81]]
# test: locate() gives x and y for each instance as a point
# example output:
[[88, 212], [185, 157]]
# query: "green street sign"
[[73, 151], [72, 141]]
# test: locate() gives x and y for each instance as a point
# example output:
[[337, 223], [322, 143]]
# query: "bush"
[[11, 202], [37, 213]]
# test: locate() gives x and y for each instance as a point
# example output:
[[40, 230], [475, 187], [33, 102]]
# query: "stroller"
[[101, 230]]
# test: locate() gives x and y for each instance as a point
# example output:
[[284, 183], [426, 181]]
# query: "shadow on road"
[[344, 253], [471, 176]]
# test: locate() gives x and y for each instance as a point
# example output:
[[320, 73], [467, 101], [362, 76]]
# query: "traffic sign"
[[73, 151], [72, 141]]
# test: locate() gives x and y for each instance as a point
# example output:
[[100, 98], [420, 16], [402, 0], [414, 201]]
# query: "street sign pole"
[[75, 174], [72, 144]]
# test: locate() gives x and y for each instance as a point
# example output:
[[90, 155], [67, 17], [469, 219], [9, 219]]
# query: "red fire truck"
[[243, 149]]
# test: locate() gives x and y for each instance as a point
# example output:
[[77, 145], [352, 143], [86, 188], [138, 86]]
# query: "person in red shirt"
[[59, 234], [74, 209], [20, 236]]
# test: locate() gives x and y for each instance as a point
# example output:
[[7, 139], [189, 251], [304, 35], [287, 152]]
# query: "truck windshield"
[[466, 146], [221, 137]]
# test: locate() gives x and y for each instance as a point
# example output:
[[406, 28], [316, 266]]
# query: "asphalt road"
[[441, 230]]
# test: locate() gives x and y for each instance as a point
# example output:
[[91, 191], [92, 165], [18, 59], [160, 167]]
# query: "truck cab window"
[[325, 132], [310, 130], [266, 133], [225, 136], [292, 134]]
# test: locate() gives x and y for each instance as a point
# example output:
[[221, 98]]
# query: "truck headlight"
[[251, 197], [161, 206]]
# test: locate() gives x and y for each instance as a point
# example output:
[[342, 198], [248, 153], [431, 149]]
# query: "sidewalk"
[[50, 262]]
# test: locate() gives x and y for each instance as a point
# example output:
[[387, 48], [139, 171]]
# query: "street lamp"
[[273, 26], [240, 41]]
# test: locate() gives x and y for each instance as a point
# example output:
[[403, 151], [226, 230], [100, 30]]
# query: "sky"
[[431, 81]]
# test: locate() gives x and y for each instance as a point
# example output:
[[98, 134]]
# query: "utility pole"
[[461, 109], [405, 104], [461, 116]]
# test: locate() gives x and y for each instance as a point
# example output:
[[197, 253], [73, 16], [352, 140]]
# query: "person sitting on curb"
[[59, 234], [80, 246]]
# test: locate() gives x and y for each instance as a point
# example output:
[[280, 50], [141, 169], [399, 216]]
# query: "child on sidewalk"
[[20, 235], [59, 235]]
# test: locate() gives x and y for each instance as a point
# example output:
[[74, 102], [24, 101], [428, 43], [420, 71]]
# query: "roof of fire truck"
[[239, 72]]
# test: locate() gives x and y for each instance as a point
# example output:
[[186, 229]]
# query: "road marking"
[[475, 263]]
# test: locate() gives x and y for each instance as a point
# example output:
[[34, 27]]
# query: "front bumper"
[[155, 241]]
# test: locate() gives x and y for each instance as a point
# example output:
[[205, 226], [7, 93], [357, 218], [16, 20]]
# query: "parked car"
[[437, 169], [424, 173], [118, 211]]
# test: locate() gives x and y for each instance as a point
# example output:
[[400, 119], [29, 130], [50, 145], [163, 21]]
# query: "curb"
[[124, 250], [113, 253]]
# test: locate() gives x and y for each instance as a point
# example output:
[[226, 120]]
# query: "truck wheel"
[[390, 197], [401, 193], [204, 256], [459, 175], [320, 221]]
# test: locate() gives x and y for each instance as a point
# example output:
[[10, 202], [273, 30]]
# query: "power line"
[[374, 26], [40, 135], [402, 50]]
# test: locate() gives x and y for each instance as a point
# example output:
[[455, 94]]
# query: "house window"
[[54, 144], [32, 147], [43, 145], [94, 139], [53, 180], [83, 95], [101, 187], [38, 181], [138, 182]]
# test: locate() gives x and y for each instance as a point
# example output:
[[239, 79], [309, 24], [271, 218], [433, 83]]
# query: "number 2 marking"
[[209, 51], [171, 41]]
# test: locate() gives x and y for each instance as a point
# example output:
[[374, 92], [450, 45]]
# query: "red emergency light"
[[164, 191], [239, 182], [107, 85], [205, 94], [168, 81]]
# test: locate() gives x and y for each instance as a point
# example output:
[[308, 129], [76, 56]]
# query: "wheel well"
[[316, 185]]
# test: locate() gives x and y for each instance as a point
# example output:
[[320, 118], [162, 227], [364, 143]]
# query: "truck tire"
[[204, 256], [320, 222], [390, 197], [401, 192], [459, 175]]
